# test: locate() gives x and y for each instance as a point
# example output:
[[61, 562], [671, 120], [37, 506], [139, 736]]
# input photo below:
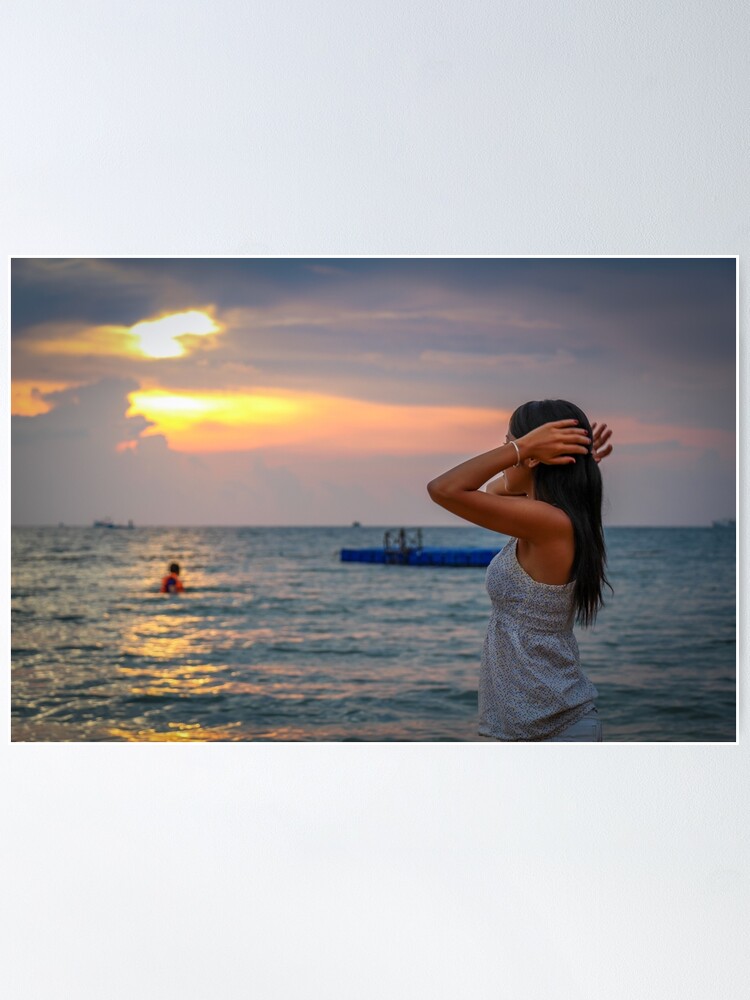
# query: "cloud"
[[515, 363], [326, 269], [83, 292]]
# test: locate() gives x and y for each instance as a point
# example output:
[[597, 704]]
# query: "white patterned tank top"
[[531, 686]]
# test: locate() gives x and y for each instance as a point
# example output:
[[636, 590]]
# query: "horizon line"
[[62, 524]]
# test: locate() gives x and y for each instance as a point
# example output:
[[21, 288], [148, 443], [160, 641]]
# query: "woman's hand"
[[555, 442], [600, 437]]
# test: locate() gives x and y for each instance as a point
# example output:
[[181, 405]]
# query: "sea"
[[276, 639]]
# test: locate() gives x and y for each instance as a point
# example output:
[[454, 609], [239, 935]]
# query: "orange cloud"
[[26, 396], [269, 417], [98, 341]]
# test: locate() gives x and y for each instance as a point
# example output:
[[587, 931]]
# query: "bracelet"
[[518, 452]]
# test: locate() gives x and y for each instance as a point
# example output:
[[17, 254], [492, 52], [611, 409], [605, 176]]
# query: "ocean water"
[[276, 639]]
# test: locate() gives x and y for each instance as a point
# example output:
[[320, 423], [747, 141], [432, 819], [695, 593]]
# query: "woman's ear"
[[532, 462]]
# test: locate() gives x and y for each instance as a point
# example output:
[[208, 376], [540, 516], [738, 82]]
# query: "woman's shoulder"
[[559, 526], [550, 559]]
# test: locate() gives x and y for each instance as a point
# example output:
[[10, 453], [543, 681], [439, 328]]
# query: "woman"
[[549, 499]]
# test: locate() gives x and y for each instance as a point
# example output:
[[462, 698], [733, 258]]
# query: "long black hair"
[[577, 489]]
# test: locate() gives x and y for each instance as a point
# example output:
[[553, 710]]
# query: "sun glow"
[[170, 336], [210, 417], [162, 338]]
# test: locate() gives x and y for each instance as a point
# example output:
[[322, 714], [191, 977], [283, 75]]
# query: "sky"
[[319, 391]]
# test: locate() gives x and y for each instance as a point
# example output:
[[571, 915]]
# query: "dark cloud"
[[87, 291], [95, 288], [671, 308]]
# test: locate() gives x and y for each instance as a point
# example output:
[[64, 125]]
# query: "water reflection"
[[179, 732], [157, 638], [182, 681]]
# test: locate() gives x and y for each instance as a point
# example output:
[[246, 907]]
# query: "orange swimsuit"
[[170, 584]]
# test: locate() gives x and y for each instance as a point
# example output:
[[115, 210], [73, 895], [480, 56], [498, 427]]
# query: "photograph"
[[435, 498]]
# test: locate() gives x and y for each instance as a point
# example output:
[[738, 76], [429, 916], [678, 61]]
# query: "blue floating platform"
[[422, 557]]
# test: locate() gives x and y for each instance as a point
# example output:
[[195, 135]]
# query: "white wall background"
[[332, 871]]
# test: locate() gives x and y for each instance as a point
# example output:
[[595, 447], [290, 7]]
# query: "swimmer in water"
[[171, 584]]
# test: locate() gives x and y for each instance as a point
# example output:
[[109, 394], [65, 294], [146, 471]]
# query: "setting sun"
[[170, 336], [160, 338]]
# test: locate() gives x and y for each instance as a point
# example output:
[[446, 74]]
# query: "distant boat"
[[724, 522], [107, 522], [356, 524]]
